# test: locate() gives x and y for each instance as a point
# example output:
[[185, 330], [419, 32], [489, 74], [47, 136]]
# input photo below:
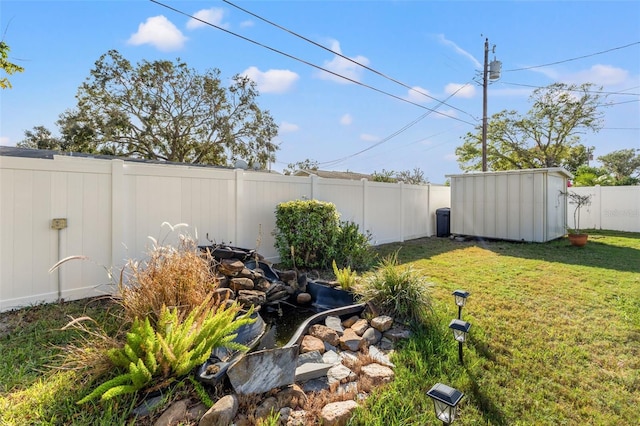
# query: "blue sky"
[[435, 47]]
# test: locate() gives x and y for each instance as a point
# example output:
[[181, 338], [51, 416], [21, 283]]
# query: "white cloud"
[[272, 81], [4, 140], [246, 24], [346, 119], [286, 127], [604, 75], [159, 32], [369, 138], [342, 66], [213, 16], [459, 50], [466, 91], [416, 94]]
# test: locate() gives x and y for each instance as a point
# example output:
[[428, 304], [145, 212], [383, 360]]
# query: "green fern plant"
[[173, 348], [345, 276]]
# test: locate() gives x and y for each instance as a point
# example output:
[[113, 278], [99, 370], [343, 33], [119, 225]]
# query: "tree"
[[623, 165], [547, 136], [387, 176], [40, 138], [8, 67], [414, 177], [592, 176], [307, 164], [167, 111]]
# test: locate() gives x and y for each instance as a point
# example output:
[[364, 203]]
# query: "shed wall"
[[520, 205]]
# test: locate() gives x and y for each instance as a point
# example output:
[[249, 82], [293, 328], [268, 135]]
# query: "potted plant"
[[577, 237]]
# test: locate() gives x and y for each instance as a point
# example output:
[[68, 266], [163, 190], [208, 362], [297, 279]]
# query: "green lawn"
[[555, 336], [555, 340]]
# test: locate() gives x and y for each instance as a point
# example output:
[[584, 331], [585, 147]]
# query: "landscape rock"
[[196, 412], [334, 323], [262, 284], [261, 371], [340, 374], [325, 334], [265, 408], [374, 375], [176, 412], [292, 397], [238, 284], [297, 418], [310, 343], [225, 293], [331, 357], [251, 297], [311, 370], [350, 340], [350, 321], [397, 333], [337, 413], [288, 276], [303, 299], [379, 356], [313, 356], [230, 267], [372, 336], [360, 326], [382, 323], [222, 412]]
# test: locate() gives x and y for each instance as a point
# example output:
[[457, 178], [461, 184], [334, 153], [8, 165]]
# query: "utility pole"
[[490, 72]]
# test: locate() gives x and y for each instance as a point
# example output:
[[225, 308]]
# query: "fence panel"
[[612, 207], [112, 207]]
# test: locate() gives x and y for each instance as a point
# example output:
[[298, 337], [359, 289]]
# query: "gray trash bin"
[[443, 228]]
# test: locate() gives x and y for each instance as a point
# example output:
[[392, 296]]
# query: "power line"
[[575, 59], [344, 57], [588, 91], [391, 136], [309, 63]]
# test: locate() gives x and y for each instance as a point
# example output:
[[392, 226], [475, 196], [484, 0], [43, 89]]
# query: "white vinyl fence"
[[111, 207], [616, 208]]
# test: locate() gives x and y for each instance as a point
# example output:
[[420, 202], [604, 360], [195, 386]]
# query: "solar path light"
[[461, 298], [445, 402], [460, 329]]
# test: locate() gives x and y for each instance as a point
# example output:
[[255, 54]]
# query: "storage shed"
[[519, 205]]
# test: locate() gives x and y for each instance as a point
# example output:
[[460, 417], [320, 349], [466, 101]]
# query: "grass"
[[555, 340], [555, 336]]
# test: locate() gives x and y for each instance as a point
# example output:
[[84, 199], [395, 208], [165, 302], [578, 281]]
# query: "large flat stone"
[[311, 370], [261, 371]]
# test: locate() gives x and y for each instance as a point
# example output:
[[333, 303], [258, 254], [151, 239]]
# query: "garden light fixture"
[[460, 329], [460, 298], [445, 402]]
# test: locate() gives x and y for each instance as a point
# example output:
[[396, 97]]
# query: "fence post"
[[365, 189]]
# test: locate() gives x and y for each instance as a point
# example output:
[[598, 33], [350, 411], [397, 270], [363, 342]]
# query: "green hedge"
[[306, 233], [309, 234]]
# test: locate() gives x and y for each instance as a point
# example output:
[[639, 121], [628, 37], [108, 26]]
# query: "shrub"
[[345, 276], [353, 248], [306, 233], [172, 348], [398, 291], [175, 277]]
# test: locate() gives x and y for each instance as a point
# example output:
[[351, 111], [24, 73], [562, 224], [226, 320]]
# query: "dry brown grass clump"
[[175, 277]]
